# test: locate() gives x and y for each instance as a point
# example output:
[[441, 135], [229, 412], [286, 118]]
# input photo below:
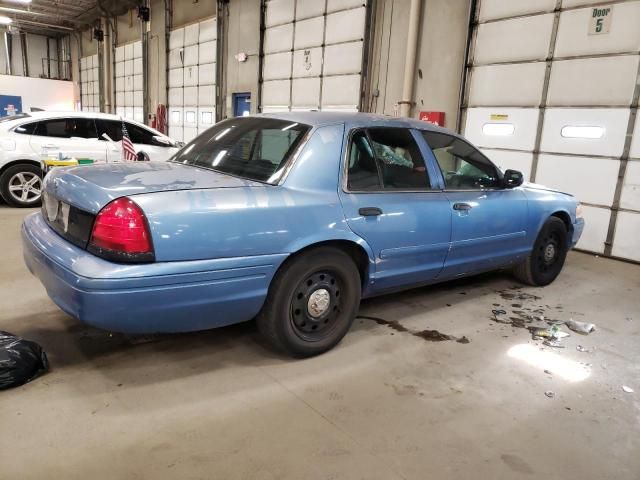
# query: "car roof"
[[355, 120], [54, 114]]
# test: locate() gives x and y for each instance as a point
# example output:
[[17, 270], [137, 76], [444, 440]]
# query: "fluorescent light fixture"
[[5, 20], [498, 129], [24, 2], [575, 131]]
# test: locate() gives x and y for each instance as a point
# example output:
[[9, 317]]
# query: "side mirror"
[[512, 179], [162, 141]]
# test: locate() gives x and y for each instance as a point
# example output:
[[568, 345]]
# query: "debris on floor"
[[627, 389], [429, 335], [580, 348], [553, 343], [580, 327], [549, 394], [20, 361]]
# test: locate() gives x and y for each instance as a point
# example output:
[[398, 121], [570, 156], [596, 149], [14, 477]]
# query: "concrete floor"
[[385, 404]]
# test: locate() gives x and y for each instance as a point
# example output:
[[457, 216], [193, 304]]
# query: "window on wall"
[[386, 158], [463, 166]]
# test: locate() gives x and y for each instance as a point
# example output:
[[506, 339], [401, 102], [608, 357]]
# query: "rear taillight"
[[121, 233]]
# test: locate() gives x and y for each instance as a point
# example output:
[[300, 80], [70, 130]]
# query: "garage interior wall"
[[313, 52], [440, 59], [549, 105], [39, 63]]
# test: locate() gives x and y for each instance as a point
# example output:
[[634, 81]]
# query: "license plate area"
[[68, 221]]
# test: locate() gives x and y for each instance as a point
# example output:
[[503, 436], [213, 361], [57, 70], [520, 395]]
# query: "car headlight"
[[579, 210]]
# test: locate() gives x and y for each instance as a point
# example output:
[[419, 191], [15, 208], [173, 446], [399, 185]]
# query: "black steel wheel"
[[547, 258], [311, 303]]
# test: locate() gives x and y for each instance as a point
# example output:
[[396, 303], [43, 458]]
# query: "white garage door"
[[89, 84], [192, 79], [129, 81], [312, 55], [578, 60]]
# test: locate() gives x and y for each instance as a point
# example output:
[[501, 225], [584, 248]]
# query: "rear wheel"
[[311, 303], [546, 260], [21, 185]]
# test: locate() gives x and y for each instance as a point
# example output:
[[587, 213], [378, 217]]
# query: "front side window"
[[112, 128], [140, 135], [67, 128], [385, 158], [463, 166], [253, 148]]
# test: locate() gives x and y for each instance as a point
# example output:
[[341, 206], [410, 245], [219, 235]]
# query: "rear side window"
[[26, 128], [67, 128], [463, 166], [386, 158], [139, 135]]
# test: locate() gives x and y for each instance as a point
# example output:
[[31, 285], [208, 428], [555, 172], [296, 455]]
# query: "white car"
[[28, 138]]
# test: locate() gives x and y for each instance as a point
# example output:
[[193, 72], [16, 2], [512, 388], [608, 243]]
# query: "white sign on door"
[[600, 20]]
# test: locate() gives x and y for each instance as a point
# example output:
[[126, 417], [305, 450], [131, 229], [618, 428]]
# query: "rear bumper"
[[146, 298], [578, 227]]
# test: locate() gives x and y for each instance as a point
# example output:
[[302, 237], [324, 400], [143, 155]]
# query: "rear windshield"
[[251, 147]]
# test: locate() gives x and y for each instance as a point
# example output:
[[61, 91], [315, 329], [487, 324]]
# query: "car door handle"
[[370, 211], [462, 206]]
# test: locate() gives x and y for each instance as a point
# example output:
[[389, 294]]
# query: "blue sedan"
[[290, 218]]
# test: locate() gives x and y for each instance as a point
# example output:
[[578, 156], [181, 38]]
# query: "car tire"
[[311, 302], [547, 257], [17, 175]]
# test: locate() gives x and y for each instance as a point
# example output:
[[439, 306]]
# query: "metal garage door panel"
[[595, 229], [341, 92], [119, 69], [128, 51], [96, 101], [630, 197], [137, 50], [309, 33], [128, 99], [305, 93], [190, 55], [279, 12], [345, 26], [175, 58], [277, 66], [612, 121], [523, 120], [137, 66], [513, 40], [191, 76], [635, 142], [494, 9], [604, 87], [278, 39], [625, 242], [137, 98], [176, 39], [138, 114], [176, 133], [591, 180], [175, 97], [206, 117], [175, 116], [333, 5], [276, 93], [307, 63], [137, 82], [176, 77], [624, 36], [128, 67], [207, 95], [189, 134], [119, 98], [190, 96], [119, 111], [208, 30], [83, 61], [84, 87], [309, 8], [343, 59], [119, 54], [507, 85], [207, 52], [505, 160], [580, 3], [190, 118], [128, 83], [128, 112], [207, 74], [191, 34]]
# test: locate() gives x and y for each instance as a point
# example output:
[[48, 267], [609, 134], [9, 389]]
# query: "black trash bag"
[[20, 361]]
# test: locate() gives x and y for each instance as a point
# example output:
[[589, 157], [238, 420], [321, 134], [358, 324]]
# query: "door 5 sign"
[[600, 20]]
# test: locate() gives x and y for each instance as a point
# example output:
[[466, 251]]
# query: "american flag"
[[128, 152]]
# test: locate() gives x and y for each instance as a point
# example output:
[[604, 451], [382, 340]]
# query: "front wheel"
[[546, 260], [311, 303], [21, 185]]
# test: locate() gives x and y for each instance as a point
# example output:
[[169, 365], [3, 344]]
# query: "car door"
[[72, 137], [389, 201], [489, 221]]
